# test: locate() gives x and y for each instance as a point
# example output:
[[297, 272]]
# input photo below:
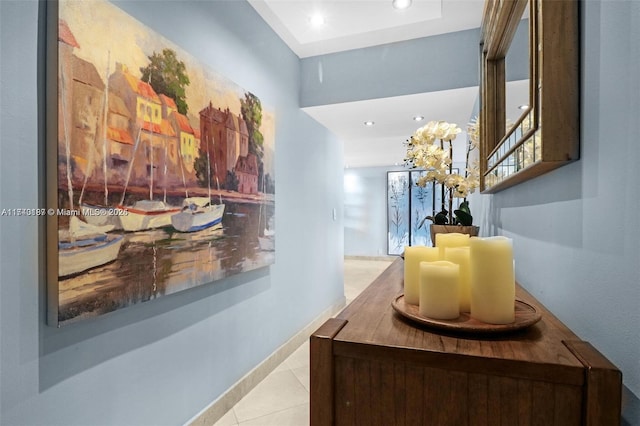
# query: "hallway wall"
[[161, 362], [575, 230]]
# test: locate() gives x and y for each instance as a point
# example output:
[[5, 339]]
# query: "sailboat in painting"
[[145, 214], [82, 246], [267, 240], [198, 213], [94, 214]]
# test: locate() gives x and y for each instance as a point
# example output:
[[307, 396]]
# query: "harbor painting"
[[164, 169]]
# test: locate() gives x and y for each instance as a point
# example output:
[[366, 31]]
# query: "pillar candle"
[[460, 256], [439, 290], [492, 280], [412, 258], [452, 239]]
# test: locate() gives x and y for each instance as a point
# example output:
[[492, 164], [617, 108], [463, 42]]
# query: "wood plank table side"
[[368, 335]]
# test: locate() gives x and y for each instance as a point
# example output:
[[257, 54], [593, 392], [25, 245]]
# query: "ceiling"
[[352, 24]]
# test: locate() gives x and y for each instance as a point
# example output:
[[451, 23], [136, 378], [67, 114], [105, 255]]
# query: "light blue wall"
[[365, 207], [576, 230], [517, 60], [442, 62], [161, 362]]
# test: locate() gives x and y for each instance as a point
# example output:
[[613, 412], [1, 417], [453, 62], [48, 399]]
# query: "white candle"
[[412, 258], [439, 290], [493, 289], [461, 257], [452, 239]]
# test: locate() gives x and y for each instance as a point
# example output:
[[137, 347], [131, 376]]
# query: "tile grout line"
[[271, 414], [289, 390]]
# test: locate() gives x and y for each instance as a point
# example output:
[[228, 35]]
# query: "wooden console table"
[[370, 366]]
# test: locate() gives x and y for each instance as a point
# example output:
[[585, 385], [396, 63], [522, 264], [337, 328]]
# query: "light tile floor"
[[282, 398]]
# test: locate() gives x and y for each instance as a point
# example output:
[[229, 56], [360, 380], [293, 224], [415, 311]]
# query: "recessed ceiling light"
[[401, 4], [369, 123], [418, 118], [523, 106], [316, 20]]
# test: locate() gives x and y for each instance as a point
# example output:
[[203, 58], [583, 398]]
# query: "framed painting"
[[423, 201], [398, 209], [160, 171]]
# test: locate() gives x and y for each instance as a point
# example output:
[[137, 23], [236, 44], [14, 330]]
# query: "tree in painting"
[[168, 75], [203, 174], [251, 110]]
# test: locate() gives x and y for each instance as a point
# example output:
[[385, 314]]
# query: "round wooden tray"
[[526, 315]]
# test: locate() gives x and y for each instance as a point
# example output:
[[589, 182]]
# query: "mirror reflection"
[[517, 99]]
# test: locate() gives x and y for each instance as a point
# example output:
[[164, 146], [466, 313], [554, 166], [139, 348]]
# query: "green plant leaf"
[[463, 217], [424, 220], [441, 218], [464, 206]]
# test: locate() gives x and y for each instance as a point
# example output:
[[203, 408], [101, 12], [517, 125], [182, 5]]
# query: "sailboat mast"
[[66, 136], [215, 170], [89, 169], [150, 142], [165, 169], [151, 169], [208, 173], [133, 156], [104, 129], [219, 192], [181, 160]]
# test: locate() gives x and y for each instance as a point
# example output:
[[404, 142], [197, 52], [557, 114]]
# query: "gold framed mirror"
[[547, 133]]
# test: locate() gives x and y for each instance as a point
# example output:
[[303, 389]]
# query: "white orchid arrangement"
[[426, 150]]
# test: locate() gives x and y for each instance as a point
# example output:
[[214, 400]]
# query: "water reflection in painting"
[[162, 261]]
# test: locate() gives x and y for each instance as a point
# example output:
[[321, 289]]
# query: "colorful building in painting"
[[237, 139], [120, 140], [226, 138], [121, 122], [168, 105], [155, 162], [195, 125], [247, 173], [80, 101], [188, 149], [213, 140]]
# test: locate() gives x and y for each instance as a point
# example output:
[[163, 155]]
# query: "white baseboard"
[[218, 408], [390, 258]]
